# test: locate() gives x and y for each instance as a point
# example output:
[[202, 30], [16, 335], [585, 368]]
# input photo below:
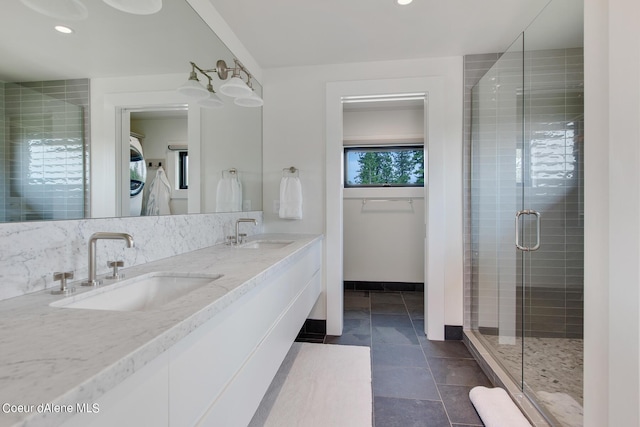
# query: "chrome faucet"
[[238, 226], [91, 281]]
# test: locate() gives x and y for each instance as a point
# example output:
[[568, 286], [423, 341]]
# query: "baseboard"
[[453, 333], [313, 331], [363, 285]]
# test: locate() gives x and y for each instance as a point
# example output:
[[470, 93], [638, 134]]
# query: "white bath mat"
[[319, 385], [496, 409]]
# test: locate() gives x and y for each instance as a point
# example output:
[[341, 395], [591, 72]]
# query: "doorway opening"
[[158, 140], [384, 192], [441, 226]]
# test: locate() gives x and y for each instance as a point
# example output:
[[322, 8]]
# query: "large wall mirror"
[[74, 106]]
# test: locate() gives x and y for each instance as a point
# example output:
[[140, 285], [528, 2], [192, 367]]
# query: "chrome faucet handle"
[[62, 277], [115, 265], [242, 237]]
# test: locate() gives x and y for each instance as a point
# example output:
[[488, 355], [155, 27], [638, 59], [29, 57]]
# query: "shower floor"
[[552, 370]]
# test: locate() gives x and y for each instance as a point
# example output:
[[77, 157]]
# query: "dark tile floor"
[[416, 382]]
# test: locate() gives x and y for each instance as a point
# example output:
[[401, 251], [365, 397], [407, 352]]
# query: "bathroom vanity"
[[204, 358]]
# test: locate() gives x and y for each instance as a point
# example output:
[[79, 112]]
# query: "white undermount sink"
[[266, 244], [141, 293]]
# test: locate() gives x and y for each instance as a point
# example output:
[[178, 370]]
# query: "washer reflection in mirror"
[[137, 175]]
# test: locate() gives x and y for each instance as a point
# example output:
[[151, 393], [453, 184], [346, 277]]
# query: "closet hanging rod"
[[399, 199]]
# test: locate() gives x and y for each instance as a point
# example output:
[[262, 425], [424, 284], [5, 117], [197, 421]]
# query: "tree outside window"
[[397, 166]]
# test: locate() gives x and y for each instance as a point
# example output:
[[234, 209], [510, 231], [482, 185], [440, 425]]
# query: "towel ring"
[[291, 170], [232, 171]]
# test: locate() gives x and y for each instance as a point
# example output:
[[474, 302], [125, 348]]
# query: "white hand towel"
[[229, 194], [290, 198], [496, 409], [159, 199]]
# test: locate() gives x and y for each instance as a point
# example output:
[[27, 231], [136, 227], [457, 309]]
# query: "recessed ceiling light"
[[62, 29], [403, 2]]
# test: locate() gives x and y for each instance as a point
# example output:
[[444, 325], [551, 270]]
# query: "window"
[[183, 170], [384, 166]]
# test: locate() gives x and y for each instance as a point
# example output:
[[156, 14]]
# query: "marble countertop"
[[66, 356]]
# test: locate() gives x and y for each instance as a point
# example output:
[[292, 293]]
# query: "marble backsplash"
[[31, 252]]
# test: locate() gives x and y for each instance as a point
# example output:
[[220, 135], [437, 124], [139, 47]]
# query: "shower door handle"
[[537, 245]]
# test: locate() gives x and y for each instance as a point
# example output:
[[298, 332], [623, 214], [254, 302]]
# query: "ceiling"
[[285, 33], [278, 33]]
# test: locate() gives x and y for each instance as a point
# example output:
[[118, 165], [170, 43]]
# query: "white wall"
[[294, 135], [397, 125], [384, 241], [612, 203], [231, 138]]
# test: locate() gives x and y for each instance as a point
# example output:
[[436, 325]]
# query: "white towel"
[[496, 409], [290, 198], [229, 194], [159, 199]]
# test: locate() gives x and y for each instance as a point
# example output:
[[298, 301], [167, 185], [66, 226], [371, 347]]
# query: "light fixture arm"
[[203, 72], [223, 70]]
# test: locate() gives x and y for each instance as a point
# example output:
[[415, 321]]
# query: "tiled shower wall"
[[554, 181], [44, 150]]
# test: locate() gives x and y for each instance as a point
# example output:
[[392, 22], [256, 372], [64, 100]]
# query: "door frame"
[[116, 132], [436, 263]]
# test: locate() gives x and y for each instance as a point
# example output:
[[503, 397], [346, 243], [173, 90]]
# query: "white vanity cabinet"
[[140, 400], [218, 374]]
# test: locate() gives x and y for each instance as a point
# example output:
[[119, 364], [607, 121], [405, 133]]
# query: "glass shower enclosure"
[[527, 213]]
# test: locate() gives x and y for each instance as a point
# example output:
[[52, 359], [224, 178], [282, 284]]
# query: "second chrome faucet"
[[92, 280], [237, 241]]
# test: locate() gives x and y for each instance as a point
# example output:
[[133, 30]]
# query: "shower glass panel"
[[497, 194], [554, 184], [527, 212]]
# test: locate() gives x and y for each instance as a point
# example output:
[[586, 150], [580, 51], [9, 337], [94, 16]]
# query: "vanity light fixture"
[[236, 88], [136, 7], [243, 92], [403, 2], [212, 100], [249, 101], [192, 87]]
